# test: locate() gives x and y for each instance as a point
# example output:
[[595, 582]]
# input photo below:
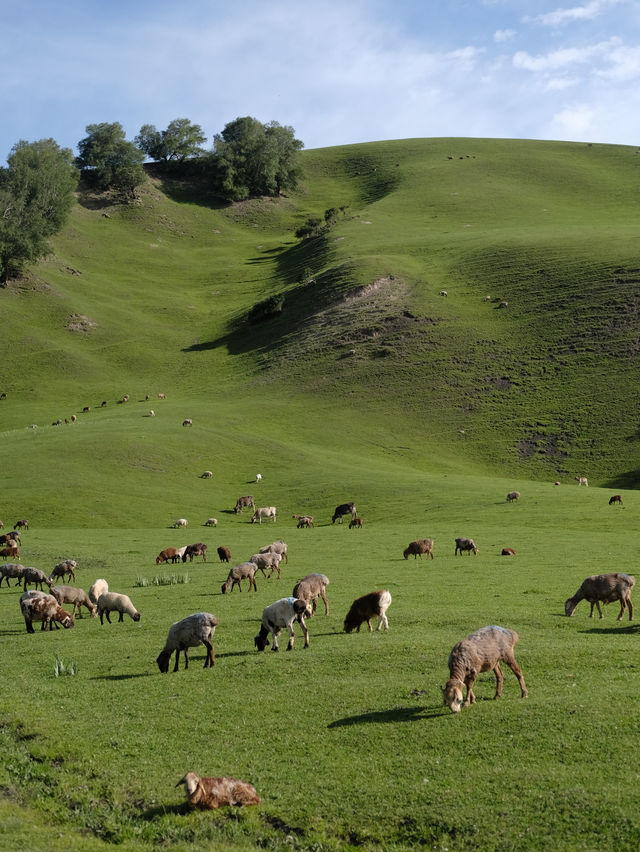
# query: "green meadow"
[[370, 386]]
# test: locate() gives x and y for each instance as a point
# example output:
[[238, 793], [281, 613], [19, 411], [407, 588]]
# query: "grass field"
[[369, 386]]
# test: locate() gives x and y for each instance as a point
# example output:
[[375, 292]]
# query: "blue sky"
[[338, 71]]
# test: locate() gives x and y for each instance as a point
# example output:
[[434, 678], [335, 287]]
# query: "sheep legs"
[[210, 658], [626, 602], [515, 668]]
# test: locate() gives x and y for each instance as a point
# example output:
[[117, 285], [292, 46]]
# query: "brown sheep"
[[39, 606], [365, 608], [604, 588], [615, 499], [481, 651], [508, 551], [243, 571], [418, 547], [198, 549], [224, 554], [355, 522], [304, 521], [312, 587], [169, 554], [217, 792]]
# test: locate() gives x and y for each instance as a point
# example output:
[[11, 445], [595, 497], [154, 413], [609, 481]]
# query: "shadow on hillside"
[[161, 810], [627, 481], [397, 714]]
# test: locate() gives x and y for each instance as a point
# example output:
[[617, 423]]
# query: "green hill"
[[155, 296]]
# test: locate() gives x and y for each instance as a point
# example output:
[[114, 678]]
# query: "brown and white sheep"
[[217, 792], [312, 587], [11, 551], [367, 607], [243, 571], [169, 554], [207, 474], [224, 554], [604, 588], [465, 545], [481, 651], [508, 551], [38, 606], [355, 522], [418, 547], [582, 480], [21, 525], [303, 521], [62, 569]]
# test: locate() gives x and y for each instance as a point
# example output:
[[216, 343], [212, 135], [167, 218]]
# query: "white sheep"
[[582, 480], [187, 422], [481, 651], [211, 522], [215, 792], [78, 597], [604, 588], [258, 477], [194, 630], [207, 474], [39, 606], [264, 512], [312, 587], [282, 613], [113, 602], [181, 522], [99, 588]]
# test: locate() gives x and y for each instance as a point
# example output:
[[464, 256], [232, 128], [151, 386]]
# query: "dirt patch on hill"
[[81, 323]]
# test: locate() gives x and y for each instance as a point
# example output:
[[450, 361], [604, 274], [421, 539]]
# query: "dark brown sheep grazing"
[[365, 608], [217, 792], [198, 549], [355, 522], [418, 547], [615, 499], [169, 554], [224, 554]]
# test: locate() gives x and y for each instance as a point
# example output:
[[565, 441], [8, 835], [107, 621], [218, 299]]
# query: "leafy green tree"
[[251, 158], [108, 160], [36, 196], [180, 141]]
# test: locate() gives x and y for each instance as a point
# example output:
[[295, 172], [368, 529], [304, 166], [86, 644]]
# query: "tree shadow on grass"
[[396, 714]]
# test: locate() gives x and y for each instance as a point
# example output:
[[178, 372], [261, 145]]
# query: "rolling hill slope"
[[366, 352]]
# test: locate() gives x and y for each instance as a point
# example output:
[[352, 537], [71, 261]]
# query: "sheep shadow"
[[163, 810], [123, 676], [629, 630], [397, 714]]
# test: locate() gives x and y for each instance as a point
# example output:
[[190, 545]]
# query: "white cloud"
[[503, 35], [574, 121], [587, 12]]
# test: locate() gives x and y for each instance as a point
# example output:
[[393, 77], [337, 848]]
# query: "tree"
[[108, 160], [36, 196], [178, 142], [251, 158]]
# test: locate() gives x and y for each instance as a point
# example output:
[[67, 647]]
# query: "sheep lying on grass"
[[365, 608], [604, 588], [194, 630], [39, 606], [481, 651], [217, 792], [113, 602], [312, 587]]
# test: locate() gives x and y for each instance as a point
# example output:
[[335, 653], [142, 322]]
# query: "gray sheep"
[[604, 588], [194, 630]]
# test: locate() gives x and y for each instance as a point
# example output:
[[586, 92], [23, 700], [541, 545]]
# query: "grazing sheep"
[[152, 413], [508, 551], [365, 608], [264, 512], [279, 546], [187, 422], [208, 474], [243, 571], [36, 577], [465, 544], [1, 525], [38, 606], [113, 602], [355, 522], [604, 588], [617, 498], [267, 560], [481, 651], [62, 569], [582, 480], [258, 477], [282, 613], [98, 588], [181, 522], [443, 293], [344, 509], [194, 630], [418, 547], [78, 597], [198, 549], [9, 537], [513, 496], [303, 521], [244, 503], [312, 587], [11, 551], [21, 525], [169, 554], [11, 571], [224, 554], [162, 396], [211, 522], [217, 792]]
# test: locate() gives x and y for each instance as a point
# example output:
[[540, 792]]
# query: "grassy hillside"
[[369, 385]]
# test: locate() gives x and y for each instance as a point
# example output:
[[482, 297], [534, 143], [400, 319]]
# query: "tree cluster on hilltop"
[[248, 158]]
